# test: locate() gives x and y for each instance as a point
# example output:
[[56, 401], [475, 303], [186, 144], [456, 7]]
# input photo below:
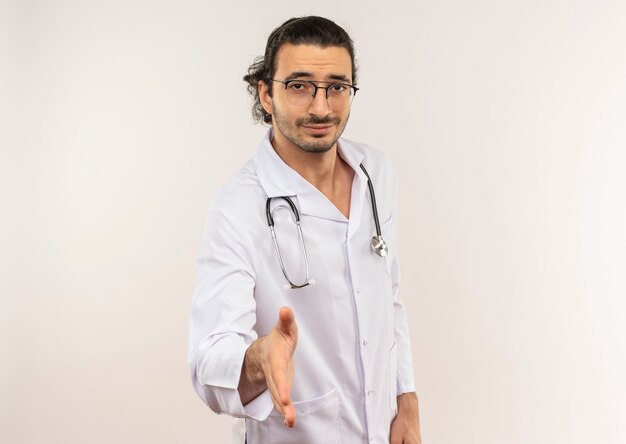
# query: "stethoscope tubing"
[[270, 221], [373, 196]]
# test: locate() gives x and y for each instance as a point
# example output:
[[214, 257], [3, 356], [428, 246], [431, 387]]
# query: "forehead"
[[319, 62]]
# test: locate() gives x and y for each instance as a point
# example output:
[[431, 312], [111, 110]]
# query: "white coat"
[[353, 355]]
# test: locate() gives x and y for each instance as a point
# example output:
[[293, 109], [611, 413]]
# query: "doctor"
[[299, 329]]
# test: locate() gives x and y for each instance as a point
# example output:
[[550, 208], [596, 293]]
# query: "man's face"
[[316, 126]]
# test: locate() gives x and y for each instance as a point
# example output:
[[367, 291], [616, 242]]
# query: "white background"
[[506, 121]]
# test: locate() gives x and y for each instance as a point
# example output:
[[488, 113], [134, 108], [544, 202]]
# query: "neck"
[[327, 171], [319, 169]]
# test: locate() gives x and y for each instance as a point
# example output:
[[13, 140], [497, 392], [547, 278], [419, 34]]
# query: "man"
[[299, 328]]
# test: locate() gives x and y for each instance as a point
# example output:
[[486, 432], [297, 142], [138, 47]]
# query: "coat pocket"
[[317, 422]]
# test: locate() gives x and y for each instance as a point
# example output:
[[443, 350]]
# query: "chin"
[[314, 147]]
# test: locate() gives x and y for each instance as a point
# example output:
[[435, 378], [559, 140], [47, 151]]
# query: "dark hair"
[[309, 30]]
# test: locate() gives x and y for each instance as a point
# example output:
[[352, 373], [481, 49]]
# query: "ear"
[[264, 96]]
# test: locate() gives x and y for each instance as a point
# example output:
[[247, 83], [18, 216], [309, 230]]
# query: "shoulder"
[[381, 173], [371, 155], [240, 197], [378, 166]]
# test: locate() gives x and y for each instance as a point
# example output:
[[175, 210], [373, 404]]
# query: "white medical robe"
[[353, 354]]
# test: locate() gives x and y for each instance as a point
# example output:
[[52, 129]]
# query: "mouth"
[[317, 129]]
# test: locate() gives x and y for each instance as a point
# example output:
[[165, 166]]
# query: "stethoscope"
[[378, 243]]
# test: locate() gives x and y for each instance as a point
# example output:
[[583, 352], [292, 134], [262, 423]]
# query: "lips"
[[317, 129]]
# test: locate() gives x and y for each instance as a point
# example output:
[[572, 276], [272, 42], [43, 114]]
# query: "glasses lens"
[[340, 95], [300, 93]]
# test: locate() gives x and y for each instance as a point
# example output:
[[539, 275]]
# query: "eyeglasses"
[[302, 92]]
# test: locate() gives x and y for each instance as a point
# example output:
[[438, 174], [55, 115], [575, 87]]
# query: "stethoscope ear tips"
[[380, 246]]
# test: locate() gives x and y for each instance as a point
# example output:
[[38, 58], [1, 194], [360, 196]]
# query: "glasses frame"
[[316, 87]]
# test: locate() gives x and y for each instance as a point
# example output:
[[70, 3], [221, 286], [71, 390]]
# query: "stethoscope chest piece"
[[379, 246]]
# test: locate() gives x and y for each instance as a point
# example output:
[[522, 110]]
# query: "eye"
[[297, 86], [338, 88]]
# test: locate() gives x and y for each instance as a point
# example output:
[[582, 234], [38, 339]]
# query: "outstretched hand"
[[278, 364]]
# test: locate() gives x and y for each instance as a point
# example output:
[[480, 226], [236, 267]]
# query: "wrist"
[[408, 401], [253, 363]]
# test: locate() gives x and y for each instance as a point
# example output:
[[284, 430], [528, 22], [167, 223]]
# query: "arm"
[[222, 316], [406, 426], [233, 371], [405, 379]]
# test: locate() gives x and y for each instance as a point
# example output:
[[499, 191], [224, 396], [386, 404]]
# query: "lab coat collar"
[[276, 177], [279, 179]]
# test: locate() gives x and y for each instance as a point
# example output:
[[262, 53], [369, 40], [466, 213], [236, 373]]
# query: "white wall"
[[506, 121]]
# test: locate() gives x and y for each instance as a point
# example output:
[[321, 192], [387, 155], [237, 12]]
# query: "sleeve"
[[405, 376], [222, 317]]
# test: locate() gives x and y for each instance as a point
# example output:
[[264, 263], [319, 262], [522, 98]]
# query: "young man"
[[296, 324]]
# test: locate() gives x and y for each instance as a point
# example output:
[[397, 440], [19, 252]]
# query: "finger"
[[280, 377], [284, 390], [279, 369], [274, 393], [290, 415], [287, 321], [288, 410], [395, 436]]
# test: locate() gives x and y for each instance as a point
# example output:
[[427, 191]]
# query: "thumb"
[[287, 321]]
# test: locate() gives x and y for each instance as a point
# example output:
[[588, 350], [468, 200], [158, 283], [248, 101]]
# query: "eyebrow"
[[298, 74]]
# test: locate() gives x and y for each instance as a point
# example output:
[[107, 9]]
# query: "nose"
[[319, 106]]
